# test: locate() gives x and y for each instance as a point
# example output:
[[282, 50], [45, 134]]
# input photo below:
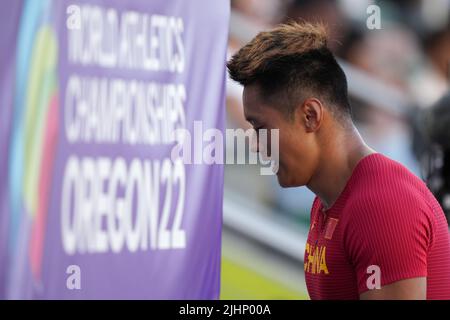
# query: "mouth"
[[276, 167]]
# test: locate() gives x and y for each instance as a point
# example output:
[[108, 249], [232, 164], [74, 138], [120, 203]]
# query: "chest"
[[328, 273]]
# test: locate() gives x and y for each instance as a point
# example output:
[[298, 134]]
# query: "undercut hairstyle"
[[291, 63]]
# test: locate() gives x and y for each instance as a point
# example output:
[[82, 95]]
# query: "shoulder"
[[388, 192], [383, 181]]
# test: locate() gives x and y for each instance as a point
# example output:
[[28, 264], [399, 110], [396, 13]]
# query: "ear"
[[310, 114]]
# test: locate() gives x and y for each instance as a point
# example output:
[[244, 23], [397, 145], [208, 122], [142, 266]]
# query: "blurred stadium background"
[[393, 73]]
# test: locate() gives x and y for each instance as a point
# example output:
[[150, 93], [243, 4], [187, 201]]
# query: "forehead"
[[253, 102]]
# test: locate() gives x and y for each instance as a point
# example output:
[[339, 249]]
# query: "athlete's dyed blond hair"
[[289, 62]]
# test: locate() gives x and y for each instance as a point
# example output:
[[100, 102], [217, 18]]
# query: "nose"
[[258, 144], [254, 142]]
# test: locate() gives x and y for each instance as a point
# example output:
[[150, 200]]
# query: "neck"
[[338, 159]]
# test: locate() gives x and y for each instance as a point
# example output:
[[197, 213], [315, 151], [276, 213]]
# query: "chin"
[[284, 182], [287, 181]]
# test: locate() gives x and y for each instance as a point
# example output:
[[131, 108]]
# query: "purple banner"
[[93, 204]]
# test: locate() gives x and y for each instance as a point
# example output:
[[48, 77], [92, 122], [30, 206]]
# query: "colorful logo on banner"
[[34, 131]]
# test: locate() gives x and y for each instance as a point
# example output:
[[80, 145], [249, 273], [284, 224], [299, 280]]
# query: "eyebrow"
[[252, 119]]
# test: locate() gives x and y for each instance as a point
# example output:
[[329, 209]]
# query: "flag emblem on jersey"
[[329, 229]]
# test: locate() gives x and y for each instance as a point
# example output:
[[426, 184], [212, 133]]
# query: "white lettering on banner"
[[120, 111], [99, 197], [133, 40], [111, 204]]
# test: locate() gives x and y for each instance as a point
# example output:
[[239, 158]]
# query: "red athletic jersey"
[[385, 217]]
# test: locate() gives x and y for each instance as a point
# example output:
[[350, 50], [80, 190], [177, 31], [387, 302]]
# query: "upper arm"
[[408, 289], [393, 237]]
